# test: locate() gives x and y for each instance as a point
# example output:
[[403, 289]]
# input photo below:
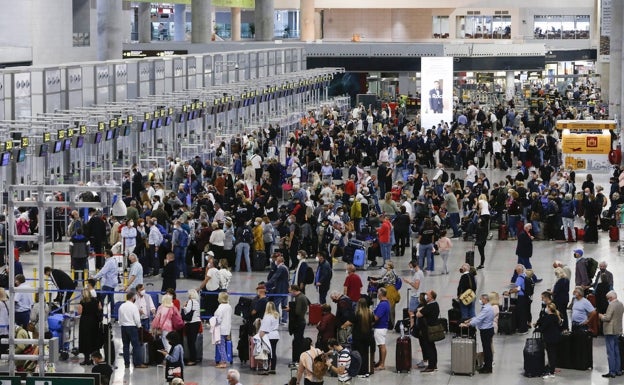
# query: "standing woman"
[[162, 322], [217, 239], [191, 328], [258, 236], [223, 316], [548, 325], [228, 241], [363, 334], [269, 326], [267, 234], [561, 295], [425, 246], [483, 207], [225, 275], [90, 310]]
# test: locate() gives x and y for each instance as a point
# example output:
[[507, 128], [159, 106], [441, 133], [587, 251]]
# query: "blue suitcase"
[[228, 352], [359, 258]]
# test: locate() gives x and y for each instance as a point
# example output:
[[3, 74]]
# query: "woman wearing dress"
[[223, 316], [269, 326], [90, 310], [191, 328]]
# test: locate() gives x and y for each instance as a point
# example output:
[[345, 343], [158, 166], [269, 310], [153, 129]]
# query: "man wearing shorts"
[[382, 317]]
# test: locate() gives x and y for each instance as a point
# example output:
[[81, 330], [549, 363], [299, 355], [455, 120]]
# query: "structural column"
[[179, 20], [144, 22], [318, 25], [265, 20], [307, 20], [615, 61], [109, 31], [510, 85], [236, 24], [201, 18]]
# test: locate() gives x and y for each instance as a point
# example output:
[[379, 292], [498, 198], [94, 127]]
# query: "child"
[[444, 247], [100, 366]]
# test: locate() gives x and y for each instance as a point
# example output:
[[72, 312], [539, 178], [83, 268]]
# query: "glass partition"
[[484, 27], [561, 26]]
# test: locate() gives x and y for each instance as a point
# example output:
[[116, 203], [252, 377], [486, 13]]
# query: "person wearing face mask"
[[145, 303], [484, 321], [602, 269], [63, 283], [89, 310], [612, 328], [430, 313], [299, 277], [128, 237]]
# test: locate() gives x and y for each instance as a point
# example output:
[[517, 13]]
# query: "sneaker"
[[421, 365]]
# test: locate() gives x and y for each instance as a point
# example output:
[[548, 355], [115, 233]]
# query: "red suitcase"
[[580, 234], [314, 316], [502, 232], [614, 234], [403, 354]]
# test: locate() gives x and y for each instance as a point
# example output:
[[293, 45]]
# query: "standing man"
[[146, 306], [23, 303], [466, 281], [523, 307], [436, 101], [430, 312], [63, 282], [154, 240], [352, 286], [135, 276], [484, 321], [416, 283], [109, 276], [524, 251], [602, 269], [323, 276], [128, 237], [581, 309], [297, 324], [95, 231], [278, 284], [79, 252], [179, 241], [380, 327], [612, 328], [581, 276], [130, 322], [452, 209]]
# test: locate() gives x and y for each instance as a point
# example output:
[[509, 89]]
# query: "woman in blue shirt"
[[174, 358]]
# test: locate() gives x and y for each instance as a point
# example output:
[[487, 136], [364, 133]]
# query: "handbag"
[[187, 317], [467, 297], [176, 320], [173, 370], [435, 333]]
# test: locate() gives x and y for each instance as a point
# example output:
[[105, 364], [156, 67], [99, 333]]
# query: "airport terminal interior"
[[92, 89]]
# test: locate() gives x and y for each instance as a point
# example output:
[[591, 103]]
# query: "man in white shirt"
[[135, 276], [471, 173], [497, 150], [130, 322], [145, 303]]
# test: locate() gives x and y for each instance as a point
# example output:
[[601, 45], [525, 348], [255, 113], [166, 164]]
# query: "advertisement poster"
[[436, 83]]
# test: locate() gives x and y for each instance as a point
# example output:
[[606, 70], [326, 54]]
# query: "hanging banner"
[[436, 90], [604, 50]]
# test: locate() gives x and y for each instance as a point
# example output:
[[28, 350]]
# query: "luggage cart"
[[63, 326]]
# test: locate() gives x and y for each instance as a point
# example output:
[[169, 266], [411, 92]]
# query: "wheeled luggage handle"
[[461, 331]]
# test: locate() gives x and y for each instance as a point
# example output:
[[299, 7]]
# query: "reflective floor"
[[500, 260]]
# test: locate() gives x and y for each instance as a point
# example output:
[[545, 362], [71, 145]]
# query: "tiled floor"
[[500, 260]]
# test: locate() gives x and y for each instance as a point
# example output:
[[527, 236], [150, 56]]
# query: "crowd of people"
[[277, 205]]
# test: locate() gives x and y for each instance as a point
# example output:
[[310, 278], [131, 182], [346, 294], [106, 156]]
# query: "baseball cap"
[[579, 252]]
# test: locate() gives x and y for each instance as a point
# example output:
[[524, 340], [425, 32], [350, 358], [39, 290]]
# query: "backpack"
[[398, 284], [529, 286], [319, 367], [355, 365], [328, 235], [183, 238], [246, 235], [309, 276], [444, 176], [592, 267]]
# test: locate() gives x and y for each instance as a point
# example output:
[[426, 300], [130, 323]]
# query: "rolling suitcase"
[[199, 347], [533, 356], [502, 232], [403, 353], [580, 234], [564, 354], [252, 360], [463, 354], [470, 257], [228, 352], [314, 316], [259, 261], [243, 343], [614, 234], [506, 323], [582, 350], [454, 318], [359, 258]]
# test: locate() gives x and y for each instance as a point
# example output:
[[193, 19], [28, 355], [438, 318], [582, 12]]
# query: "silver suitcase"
[[463, 353]]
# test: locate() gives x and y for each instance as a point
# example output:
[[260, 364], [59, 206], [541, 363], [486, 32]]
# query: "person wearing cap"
[[259, 302], [581, 277]]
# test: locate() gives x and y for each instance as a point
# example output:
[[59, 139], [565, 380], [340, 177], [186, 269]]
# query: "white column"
[[615, 61], [201, 19], [306, 10], [318, 25], [264, 16], [236, 23], [109, 30], [144, 22], [510, 86], [179, 20]]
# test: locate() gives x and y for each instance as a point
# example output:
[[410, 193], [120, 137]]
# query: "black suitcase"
[[109, 344], [470, 257], [243, 343], [454, 319], [506, 323], [259, 261], [564, 354], [582, 348], [533, 357], [621, 343]]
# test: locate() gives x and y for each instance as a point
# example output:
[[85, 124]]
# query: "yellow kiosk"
[[585, 144]]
